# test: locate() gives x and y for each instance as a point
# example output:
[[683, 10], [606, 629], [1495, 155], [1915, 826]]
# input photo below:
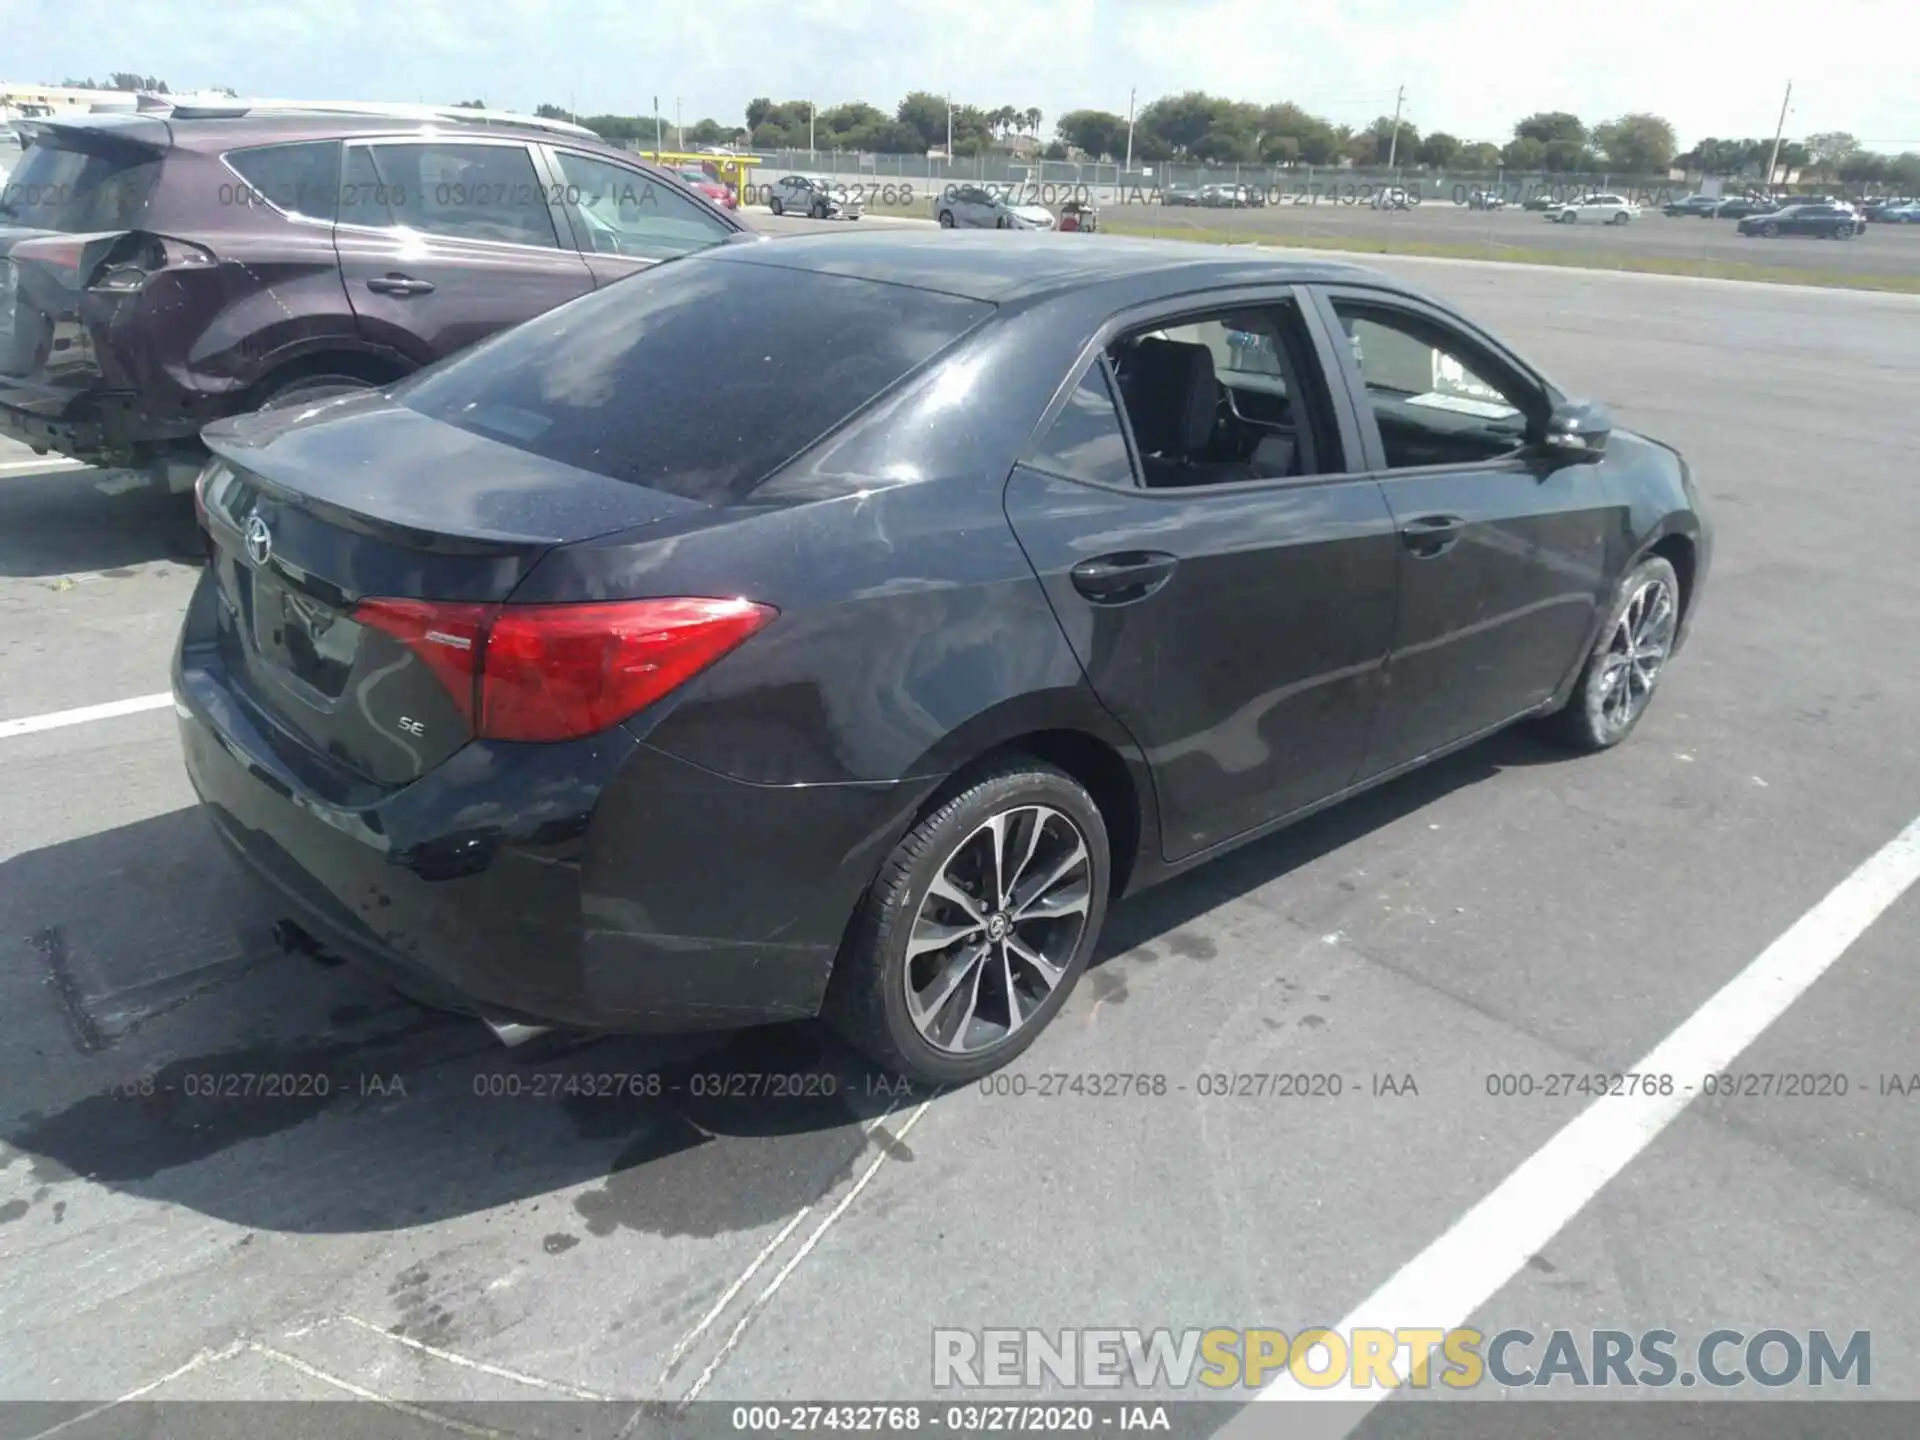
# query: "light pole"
[[679, 130], [659, 128], [1773, 160], [1393, 145], [949, 129], [812, 110], [1131, 95]]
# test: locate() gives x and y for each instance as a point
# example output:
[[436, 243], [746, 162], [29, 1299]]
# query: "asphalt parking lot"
[[1882, 250], [435, 1222]]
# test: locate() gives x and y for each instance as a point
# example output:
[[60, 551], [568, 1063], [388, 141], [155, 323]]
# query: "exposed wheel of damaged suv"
[[305, 389]]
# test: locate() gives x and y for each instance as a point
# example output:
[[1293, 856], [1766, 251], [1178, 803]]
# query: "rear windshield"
[[699, 378], [58, 188]]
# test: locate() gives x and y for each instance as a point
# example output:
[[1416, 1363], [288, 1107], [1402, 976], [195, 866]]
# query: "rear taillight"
[[125, 264], [448, 638], [556, 672]]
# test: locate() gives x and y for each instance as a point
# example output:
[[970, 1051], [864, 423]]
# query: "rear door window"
[[1085, 441], [66, 188], [466, 192], [699, 377], [302, 179]]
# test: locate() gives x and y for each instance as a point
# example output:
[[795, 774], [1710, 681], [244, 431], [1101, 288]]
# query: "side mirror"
[[1578, 430]]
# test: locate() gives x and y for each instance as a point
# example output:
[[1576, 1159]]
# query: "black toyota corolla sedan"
[[841, 624]]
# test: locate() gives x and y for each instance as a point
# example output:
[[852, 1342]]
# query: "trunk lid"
[[313, 510]]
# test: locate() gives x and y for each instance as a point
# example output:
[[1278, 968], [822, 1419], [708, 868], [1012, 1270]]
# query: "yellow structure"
[[733, 170]]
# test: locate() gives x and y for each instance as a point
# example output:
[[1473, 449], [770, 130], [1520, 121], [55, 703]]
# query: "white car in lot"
[[814, 195], [1391, 198], [1606, 209], [980, 207]]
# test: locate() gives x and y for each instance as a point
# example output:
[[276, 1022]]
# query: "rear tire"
[[946, 220], [946, 1015], [1632, 652], [1770, 230]]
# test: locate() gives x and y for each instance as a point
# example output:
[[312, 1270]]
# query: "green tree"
[[1831, 149], [552, 112], [1562, 138], [1031, 118], [1863, 167], [927, 114], [126, 80], [1055, 150], [1226, 147], [1480, 155], [469, 104], [1640, 142], [1551, 126], [1097, 132], [1381, 133], [1524, 152], [1438, 150]]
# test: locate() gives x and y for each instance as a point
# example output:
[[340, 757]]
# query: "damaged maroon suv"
[[162, 270]]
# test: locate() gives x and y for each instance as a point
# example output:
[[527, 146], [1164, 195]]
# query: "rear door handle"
[[1431, 535], [1122, 578], [399, 285]]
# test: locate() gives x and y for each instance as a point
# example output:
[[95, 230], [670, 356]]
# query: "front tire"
[[946, 220], [1617, 683], [1770, 230], [773, 204], [977, 927]]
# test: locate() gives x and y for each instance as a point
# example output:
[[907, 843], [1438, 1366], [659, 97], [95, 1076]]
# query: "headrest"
[[1171, 396]]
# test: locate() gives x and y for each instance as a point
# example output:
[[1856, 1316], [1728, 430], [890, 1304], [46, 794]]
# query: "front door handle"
[[399, 285], [1122, 578], [1431, 535]]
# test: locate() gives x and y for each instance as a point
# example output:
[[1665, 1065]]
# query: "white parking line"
[[1453, 1277], [59, 718], [532, 1382], [765, 1297], [205, 1357]]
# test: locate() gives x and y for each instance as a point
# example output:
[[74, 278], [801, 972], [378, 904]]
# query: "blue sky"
[[1471, 67]]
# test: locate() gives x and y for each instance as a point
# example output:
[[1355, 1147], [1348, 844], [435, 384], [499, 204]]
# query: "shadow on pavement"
[[64, 521], [181, 1058], [1169, 906]]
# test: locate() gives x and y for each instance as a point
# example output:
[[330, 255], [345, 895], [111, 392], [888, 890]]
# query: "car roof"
[[284, 126], [1009, 267]]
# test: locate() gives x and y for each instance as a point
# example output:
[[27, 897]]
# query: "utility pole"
[[812, 110], [1773, 161], [1393, 145], [1131, 95], [659, 128], [949, 129], [679, 130]]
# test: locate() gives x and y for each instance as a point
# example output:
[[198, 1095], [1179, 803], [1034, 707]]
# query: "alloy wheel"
[[1635, 653], [998, 929]]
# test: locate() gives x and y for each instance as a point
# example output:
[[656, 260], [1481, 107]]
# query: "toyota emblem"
[[259, 540]]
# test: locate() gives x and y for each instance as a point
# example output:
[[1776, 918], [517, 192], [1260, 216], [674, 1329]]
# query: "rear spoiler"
[[118, 131]]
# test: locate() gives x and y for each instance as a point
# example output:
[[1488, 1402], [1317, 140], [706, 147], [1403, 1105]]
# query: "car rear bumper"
[[98, 426], [599, 884], [44, 432]]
